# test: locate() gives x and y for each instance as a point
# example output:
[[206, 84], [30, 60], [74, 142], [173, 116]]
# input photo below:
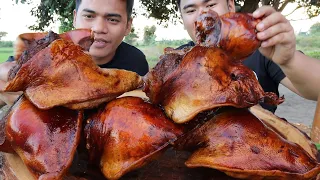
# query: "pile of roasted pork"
[[198, 101]]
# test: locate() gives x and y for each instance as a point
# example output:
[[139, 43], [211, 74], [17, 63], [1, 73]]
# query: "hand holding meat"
[[277, 35]]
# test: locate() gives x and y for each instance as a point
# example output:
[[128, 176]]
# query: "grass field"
[[152, 53], [5, 53]]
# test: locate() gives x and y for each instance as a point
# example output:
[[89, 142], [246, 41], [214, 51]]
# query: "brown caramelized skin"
[[128, 133], [62, 74], [46, 140], [232, 32], [211, 74], [206, 78], [239, 144], [25, 41]]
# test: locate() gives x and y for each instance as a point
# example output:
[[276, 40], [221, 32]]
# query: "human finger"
[[280, 38], [263, 11], [271, 20], [274, 30]]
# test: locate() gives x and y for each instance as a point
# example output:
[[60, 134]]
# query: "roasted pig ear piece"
[[82, 37], [128, 133], [46, 141], [235, 33], [285, 129], [24, 41], [169, 50], [5, 145], [215, 81], [239, 144], [63, 75]]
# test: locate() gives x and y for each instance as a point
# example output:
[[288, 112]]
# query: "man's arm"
[[288, 84], [279, 45], [304, 73], [7, 97]]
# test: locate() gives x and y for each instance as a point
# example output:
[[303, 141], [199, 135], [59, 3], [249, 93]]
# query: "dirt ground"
[[295, 108]]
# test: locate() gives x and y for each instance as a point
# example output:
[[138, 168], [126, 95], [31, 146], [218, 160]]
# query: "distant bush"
[[309, 45], [172, 43], [314, 54], [6, 44], [308, 41]]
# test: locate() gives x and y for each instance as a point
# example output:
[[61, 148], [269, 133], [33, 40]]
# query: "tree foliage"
[[163, 10], [2, 34], [149, 36], [132, 37], [315, 29], [49, 11]]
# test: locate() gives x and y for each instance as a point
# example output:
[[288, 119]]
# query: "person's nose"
[[203, 9], [100, 26]]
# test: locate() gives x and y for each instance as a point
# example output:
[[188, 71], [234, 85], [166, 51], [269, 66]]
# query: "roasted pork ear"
[[206, 78], [233, 32], [286, 130], [26, 41], [239, 144], [63, 75], [29, 44], [46, 140], [154, 79], [128, 133]]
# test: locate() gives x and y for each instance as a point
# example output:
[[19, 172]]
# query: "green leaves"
[[165, 11]]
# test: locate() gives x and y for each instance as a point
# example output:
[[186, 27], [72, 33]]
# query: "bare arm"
[[288, 84], [279, 45], [304, 73]]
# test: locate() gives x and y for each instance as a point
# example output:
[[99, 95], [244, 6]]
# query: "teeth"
[[100, 41]]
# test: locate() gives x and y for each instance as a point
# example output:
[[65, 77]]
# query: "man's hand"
[[276, 34], [4, 69], [7, 97]]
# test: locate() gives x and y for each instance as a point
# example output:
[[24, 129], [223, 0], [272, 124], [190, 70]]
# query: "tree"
[[47, 9], [315, 29], [149, 36], [2, 34], [132, 37], [163, 10]]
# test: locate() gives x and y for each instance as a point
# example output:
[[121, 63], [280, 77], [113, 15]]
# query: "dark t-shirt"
[[129, 58], [269, 74]]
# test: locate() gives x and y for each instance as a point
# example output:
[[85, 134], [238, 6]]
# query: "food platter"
[[86, 131], [169, 166]]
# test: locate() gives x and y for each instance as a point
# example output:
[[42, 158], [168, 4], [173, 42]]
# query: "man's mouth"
[[100, 43]]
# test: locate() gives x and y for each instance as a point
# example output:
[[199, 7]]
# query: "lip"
[[100, 43]]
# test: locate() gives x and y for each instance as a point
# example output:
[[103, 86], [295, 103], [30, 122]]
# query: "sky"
[[15, 19]]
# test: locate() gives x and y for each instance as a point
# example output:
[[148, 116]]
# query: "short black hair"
[[129, 6]]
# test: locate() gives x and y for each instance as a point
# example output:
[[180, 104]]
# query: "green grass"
[[5, 53], [152, 53]]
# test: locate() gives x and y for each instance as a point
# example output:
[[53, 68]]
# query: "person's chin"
[[99, 52]]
